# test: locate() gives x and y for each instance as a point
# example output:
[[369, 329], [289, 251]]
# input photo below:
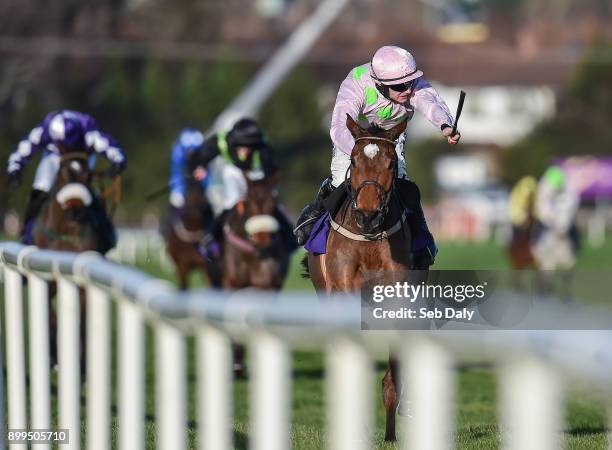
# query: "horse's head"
[[196, 204], [72, 184], [259, 209], [373, 170]]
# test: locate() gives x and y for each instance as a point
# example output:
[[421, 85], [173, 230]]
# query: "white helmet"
[[394, 65]]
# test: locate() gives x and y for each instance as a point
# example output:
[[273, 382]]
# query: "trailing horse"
[[254, 253], [71, 220], [369, 232], [184, 234]]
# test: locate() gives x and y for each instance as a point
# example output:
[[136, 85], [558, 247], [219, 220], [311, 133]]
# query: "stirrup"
[[306, 222]]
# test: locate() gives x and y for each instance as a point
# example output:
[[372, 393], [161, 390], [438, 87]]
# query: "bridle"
[[246, 243], [74, 155], [384, 195]]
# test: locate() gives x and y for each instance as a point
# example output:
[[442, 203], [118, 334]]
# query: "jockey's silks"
[[359, 98], [225, 153], [72, 128]]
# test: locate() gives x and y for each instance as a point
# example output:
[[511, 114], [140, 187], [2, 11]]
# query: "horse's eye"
[[390, 165], [352, 162]]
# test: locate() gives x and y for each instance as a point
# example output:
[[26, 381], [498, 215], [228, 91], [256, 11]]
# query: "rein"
[[375, 138], [384, 195], [237, 241]]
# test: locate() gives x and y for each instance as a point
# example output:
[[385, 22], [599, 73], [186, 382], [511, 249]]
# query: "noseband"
[[385, 195]]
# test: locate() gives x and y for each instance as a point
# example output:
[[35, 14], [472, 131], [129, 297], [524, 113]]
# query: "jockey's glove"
[[114, 170], [14, 179]]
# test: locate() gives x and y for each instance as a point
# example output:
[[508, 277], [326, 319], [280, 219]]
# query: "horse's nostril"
[[360, 217], [376, 219]]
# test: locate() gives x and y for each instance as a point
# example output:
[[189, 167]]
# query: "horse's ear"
[[353, 127], [396, 131]]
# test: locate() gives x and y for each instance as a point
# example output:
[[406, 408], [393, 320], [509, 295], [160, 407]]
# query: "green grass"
[[476, 413]]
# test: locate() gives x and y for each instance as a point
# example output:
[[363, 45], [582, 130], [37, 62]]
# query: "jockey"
[[383, 92], [521, 202], [189, 141], [556, 201], [64, 131], [245, 150], [556, 239]]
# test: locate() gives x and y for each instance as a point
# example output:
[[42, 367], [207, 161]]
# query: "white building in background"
[[500, 115]]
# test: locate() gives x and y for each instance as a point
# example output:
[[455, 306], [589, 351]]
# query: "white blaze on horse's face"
[[371, 150], [262, 223], [75, 166]]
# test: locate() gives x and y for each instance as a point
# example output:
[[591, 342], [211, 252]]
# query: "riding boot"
[[312, 212], [35, 203], [424, 247], [210, 245], [103, 226], [286, 230]]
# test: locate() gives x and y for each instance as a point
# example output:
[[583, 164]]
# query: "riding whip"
[[157, 193], [459, 109]]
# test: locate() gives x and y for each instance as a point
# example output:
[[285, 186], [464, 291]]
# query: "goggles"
[[402, 87]]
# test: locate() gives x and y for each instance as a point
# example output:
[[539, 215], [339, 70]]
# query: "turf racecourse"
[[476, 414], [477, 386]]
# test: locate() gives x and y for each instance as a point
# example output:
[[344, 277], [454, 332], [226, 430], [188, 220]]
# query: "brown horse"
[[364, 235], [67, 223], [184, 234], [254, 254]]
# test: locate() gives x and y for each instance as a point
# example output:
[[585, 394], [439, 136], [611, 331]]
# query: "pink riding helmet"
[[394, 65]]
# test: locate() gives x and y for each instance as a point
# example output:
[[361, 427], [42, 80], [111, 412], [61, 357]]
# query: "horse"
[[67, 223], [555, 250], [184, 234], [254, 254], [365, 236], [519, 249]]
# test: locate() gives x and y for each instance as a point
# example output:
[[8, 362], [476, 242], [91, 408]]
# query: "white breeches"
[[46, 172], [554, 251], [341, 162], [47, 169], [234, 186]]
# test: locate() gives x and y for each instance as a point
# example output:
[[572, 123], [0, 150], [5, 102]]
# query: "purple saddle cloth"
[[317, 241]]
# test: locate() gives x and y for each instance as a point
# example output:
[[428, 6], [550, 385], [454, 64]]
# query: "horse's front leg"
[[83, 331], [342, 276], [390, 393], [182, 272]]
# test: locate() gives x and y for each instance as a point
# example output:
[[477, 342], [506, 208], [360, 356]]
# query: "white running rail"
[[534, 365]]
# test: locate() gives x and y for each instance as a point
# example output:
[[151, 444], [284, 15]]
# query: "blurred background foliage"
[[144, 104], [144, 101], [581, 124]]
